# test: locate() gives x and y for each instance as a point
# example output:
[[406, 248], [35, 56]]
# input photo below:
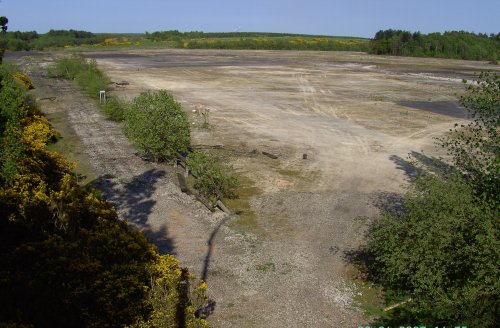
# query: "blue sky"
[[330, 17]]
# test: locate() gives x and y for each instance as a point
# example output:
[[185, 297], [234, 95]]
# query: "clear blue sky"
[[330, 17]]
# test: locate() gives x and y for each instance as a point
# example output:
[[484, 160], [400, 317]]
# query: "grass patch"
[[92, 80], [247, 218], [289, 173], [69, 144], [266, 267], [369, 298]]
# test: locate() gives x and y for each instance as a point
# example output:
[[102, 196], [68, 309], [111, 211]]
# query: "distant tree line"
[[31, 40], [255, 40], [173, 34], [453, 44]]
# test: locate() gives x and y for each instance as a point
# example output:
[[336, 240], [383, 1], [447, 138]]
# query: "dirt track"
[[356, 116]]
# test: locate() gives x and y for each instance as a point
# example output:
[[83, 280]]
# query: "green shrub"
[[157, 125], [212, 180], [443, 252], [91, 79], [67, 67], [83, 71], [87, 75], [114, 109]]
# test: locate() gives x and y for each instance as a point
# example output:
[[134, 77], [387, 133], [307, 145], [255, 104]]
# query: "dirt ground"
[[284, 261]]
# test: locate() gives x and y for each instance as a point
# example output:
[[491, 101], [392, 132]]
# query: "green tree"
[[157, 125], [443, 253], [475, 147], [3, 42], [3, 23], [453, 44]]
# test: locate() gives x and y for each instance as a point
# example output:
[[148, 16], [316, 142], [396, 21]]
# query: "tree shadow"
[[409, 167], [418, 165], [134, 202], [363, 261], [415, 166], [210, 244], [209, 308]]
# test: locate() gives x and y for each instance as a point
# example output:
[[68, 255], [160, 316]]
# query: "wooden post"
[[223, 207], [397, 304], [182, 183], [269, 155], [102, 96]]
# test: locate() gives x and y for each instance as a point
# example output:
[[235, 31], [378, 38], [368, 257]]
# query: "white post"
[[102, 96]]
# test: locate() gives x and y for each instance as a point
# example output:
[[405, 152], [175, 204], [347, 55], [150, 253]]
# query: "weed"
[[266, 267]]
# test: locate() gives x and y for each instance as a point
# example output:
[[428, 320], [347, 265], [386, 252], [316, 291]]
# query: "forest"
[[453, 44]]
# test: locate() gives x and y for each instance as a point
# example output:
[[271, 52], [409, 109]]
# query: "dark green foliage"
[[475, 147], [87, 271], [3, 42], [443, 252], [157, 125], [14, 105], [212, 180], [53, 39], [3, 23], [454, 44], [172, 34]]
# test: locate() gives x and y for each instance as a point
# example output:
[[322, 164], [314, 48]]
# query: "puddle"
[[448, 108]]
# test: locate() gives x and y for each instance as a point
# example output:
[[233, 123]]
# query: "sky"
[[361, 18]]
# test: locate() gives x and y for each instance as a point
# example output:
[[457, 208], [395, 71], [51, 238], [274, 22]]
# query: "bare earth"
[[283, 261]]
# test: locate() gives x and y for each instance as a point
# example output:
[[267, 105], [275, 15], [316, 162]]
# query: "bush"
[[211, 179], [114, 109], [157, 125], [443, 252], [67, 67], [83, 71], [475, 147], [91, 79]]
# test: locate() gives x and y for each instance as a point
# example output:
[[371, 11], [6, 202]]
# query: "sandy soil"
[[282, 263]]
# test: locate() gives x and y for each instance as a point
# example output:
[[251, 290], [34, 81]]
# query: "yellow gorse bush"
[[124, 41], [37, 133], [23, 80]]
